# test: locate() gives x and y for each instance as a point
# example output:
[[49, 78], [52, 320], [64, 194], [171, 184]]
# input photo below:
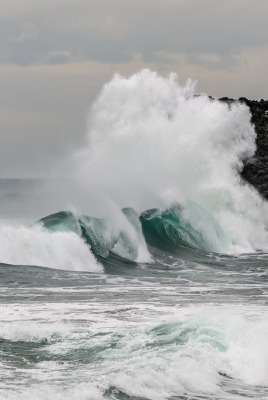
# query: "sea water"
[[143, 275]]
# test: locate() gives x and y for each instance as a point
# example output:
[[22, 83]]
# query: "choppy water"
[[163, 299], [190, 325]]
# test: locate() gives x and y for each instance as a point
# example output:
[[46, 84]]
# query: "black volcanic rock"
[[255, 171]]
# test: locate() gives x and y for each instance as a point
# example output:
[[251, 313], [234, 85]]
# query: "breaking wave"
[[153, 143], [160, 167]]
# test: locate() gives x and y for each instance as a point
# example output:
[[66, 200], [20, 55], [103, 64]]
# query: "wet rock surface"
[[256, 170]]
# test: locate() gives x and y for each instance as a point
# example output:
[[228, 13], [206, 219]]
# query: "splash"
[[153, 143]]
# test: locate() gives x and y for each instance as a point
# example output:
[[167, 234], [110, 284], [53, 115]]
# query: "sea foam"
[[23, 245]]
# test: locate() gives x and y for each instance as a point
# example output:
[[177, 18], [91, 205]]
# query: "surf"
[[160, 167]]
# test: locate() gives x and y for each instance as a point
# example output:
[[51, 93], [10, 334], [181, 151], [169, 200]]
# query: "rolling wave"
[[167, 230]]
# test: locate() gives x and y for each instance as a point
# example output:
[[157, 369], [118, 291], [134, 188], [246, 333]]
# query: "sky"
[[55, 56]]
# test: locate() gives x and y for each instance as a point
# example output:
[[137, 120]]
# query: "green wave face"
[[165, 230], [175, 227], [63, 221], [96, 232]]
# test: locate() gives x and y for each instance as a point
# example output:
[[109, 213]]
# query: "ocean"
[[143, 273]]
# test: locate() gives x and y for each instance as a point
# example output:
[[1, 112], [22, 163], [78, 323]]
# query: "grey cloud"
[[56, 54], [112, 31]]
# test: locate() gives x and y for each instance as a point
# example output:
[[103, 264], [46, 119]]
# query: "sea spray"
[[153, 143]]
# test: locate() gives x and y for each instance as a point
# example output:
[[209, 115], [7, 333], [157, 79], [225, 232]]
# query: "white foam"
[[121, 234], [192, 357], [81, 391], [155, 352], [131, 244], [29, 331], [23, 245]]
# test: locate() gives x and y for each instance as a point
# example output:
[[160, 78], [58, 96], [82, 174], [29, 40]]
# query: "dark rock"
[[255, 171]]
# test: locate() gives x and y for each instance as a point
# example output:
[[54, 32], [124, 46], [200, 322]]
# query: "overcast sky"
[[56, 55]]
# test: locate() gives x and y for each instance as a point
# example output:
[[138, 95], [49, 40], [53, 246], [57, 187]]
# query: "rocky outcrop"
[[256, 170]]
